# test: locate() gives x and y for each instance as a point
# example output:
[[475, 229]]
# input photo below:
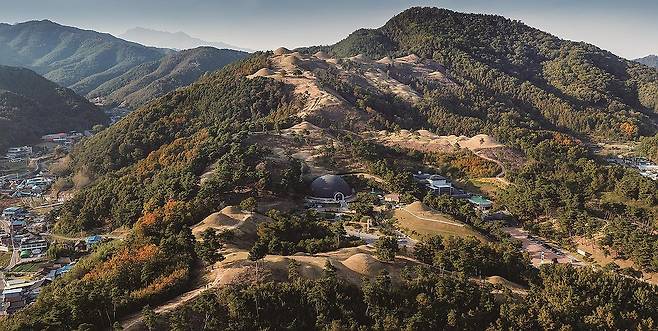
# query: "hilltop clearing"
[[426, 141]]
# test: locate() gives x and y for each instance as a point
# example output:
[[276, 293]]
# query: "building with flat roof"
[[437, 184], [13, 212]]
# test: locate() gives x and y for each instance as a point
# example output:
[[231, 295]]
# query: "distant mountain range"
[[98, 64], [650, 60], [153, 79], [72, 57], [31, 106], [177, 40]]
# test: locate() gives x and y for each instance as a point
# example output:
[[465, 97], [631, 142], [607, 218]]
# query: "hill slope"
[[649, 60], [148, 167], [31, 106], [150, 80], [71, 57], [508, 72]]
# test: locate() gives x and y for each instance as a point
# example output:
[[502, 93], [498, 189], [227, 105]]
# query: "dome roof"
[[328, 186]]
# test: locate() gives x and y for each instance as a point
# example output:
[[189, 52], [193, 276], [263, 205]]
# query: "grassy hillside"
[[31, 106], [71, 57], [153, 79], [510, 74]]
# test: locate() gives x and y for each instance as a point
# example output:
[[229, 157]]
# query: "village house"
[[18, 153], [92, 241], [392, 198], [481, 203], [14, 212], [12, 300], [34, 245], [18, 293], [5, 241], [17, 225]]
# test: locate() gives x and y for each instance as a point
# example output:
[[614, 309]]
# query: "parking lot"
[[536, 247]]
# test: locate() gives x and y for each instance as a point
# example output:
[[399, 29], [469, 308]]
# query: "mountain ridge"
[[98, 64], [31, 106], [72, 57], [153, 79], [558, 81], [176, 40], [228, 140], [649, 60]]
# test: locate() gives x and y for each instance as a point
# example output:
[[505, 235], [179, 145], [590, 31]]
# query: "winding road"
[[503, 171]]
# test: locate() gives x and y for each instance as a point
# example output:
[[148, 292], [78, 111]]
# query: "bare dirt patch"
[[426, 141]]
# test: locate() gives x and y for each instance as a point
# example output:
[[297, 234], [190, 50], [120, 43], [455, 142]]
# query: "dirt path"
[[66, 238], [431, 219], [503, 171], [133, 321]]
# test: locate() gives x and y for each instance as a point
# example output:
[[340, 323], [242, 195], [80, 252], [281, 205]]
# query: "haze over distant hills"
[[31, 106], [72, 57], [175, 40], [650, 60], [97, 64]]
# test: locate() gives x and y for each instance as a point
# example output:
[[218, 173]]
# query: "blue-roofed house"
[[93, 240], [13, 212]]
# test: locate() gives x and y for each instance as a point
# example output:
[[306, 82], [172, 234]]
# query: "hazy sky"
[[628, 28]]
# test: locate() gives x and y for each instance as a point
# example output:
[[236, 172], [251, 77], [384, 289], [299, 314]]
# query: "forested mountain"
[[178, 40], [176, 160], [100, 65], [649, 60], [31, 106], [79, 59], [510, 73], [150, 80]]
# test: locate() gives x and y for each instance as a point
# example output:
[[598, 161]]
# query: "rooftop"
[[328, 186], [479, 200]]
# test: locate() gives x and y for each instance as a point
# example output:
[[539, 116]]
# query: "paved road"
[[368, 238], [503, 172]]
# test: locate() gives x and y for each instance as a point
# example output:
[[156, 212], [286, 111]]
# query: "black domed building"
[[330, 188]]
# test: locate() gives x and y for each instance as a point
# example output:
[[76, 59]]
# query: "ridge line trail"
[[131, 322]]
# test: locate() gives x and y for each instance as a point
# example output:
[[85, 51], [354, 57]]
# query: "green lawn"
[[423, 228]]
